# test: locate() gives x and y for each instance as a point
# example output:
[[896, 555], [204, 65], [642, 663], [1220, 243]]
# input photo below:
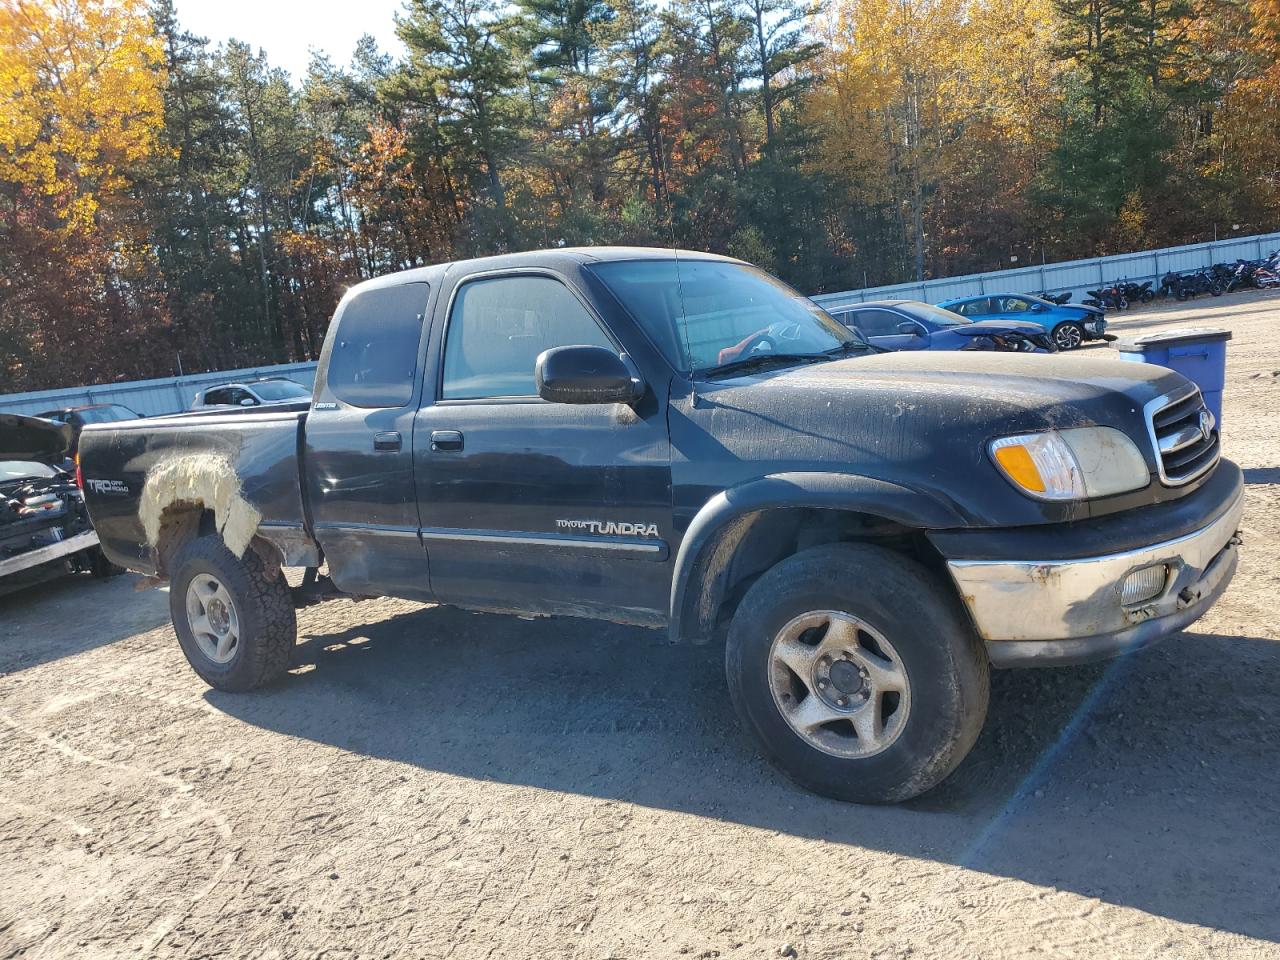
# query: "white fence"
[[150, 397], [1076, 276]]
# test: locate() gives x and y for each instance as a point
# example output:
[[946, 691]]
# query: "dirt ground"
[[431, 783]]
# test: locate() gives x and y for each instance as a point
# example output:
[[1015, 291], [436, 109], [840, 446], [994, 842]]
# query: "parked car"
[[912, 325], [1068, 324], [269, 391], [77, 417], [691, 444], [44, 526]]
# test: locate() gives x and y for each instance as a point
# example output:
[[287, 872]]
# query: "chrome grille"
[[1185, 437]]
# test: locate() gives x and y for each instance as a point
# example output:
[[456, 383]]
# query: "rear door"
[[358, 458], [533, 505]]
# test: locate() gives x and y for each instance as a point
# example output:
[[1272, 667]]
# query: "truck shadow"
[[1149, 782]]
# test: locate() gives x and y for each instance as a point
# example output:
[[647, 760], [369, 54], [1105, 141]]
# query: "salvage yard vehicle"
[[912, 325], [266, 392], [77, 417], [679, 440], [44, 526], [1069, 324]]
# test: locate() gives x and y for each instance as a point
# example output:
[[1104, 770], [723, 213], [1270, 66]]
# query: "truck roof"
[[556, 256]]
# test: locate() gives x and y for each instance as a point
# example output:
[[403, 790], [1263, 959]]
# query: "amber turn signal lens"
[[1017, 463]]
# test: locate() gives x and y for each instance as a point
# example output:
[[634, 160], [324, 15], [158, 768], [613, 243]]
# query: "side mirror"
[[248, 402], [1037, 308], [909, 329], [584, 375]]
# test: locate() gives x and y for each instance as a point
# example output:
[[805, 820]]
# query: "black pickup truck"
[[678, 440]]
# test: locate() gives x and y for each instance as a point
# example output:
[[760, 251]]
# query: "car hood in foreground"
[[30, 438]]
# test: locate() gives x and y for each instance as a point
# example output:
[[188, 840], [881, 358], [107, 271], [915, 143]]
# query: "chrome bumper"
[[1044, 613]]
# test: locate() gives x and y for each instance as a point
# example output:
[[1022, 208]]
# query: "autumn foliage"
[[167, 204]]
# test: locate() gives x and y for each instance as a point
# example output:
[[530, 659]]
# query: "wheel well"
[[748, 545], [180, 523]]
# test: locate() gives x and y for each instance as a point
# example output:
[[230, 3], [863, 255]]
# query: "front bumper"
[[1053, 612], [1095, 327]]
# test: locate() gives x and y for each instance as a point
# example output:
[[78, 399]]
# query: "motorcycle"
[[1109, 298], [1058, 298], [1137, 292]]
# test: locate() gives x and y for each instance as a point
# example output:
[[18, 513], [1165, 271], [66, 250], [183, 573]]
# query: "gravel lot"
[[432, 783]]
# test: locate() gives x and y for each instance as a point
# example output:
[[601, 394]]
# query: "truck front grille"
[[1185, 437]]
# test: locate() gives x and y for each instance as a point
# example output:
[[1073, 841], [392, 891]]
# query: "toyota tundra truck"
[[678, 440]]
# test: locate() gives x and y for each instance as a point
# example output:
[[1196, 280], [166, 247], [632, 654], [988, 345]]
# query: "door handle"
[[446, 440], [389, 441]]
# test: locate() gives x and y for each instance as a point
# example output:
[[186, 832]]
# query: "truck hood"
[[33, 439], [924, 419]]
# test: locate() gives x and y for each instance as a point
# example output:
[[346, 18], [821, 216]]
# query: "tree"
[[79, 119]]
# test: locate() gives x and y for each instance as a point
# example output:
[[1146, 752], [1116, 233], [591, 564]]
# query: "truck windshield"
[[705, 314]]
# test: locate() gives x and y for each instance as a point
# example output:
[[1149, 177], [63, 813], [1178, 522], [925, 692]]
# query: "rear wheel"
[[1068, 335], [234, 617], [855, 670]]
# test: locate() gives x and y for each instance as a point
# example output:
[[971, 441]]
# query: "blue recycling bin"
[[1200, 355]]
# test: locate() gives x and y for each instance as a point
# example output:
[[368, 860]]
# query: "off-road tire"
[[268, 626], [945, 663], [1068, 335]]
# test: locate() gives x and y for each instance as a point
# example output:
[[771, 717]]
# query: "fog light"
[[1144, 584]]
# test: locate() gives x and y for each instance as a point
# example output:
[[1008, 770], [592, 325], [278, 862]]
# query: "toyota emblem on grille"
[[1206, 424]]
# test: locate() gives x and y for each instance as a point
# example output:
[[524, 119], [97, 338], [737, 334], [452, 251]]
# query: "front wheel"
[[234, 617], [1068, 336], [855, 670]]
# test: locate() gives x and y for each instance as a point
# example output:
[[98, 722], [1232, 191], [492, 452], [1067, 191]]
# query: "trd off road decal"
[[610, 528], [115, 488]]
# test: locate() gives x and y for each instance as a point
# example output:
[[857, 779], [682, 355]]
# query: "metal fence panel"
[[1075, 276], [150, 397]]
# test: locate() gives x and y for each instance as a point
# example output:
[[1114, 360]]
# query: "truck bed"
[[212, 460]]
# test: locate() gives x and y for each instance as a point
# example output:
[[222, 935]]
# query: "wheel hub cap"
[[839, 684], [846, 677], [212, 618]]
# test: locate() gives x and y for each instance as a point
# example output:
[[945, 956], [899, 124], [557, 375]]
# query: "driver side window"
[[498, 327], [879, 323]]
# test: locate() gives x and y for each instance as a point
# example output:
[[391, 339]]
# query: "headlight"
[[1076, 464]]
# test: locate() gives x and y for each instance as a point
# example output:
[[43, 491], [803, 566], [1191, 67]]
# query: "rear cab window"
[[375, 351]]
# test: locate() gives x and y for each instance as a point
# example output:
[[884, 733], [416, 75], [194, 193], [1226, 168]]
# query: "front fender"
[[708, 543]]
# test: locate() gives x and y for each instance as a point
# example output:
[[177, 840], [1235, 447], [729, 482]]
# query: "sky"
[[288, 29]]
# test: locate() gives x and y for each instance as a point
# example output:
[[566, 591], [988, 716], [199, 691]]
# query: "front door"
[[537, 506], [882, 328]]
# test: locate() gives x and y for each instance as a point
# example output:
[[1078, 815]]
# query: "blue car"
[[1069, 324], [912, 325]]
